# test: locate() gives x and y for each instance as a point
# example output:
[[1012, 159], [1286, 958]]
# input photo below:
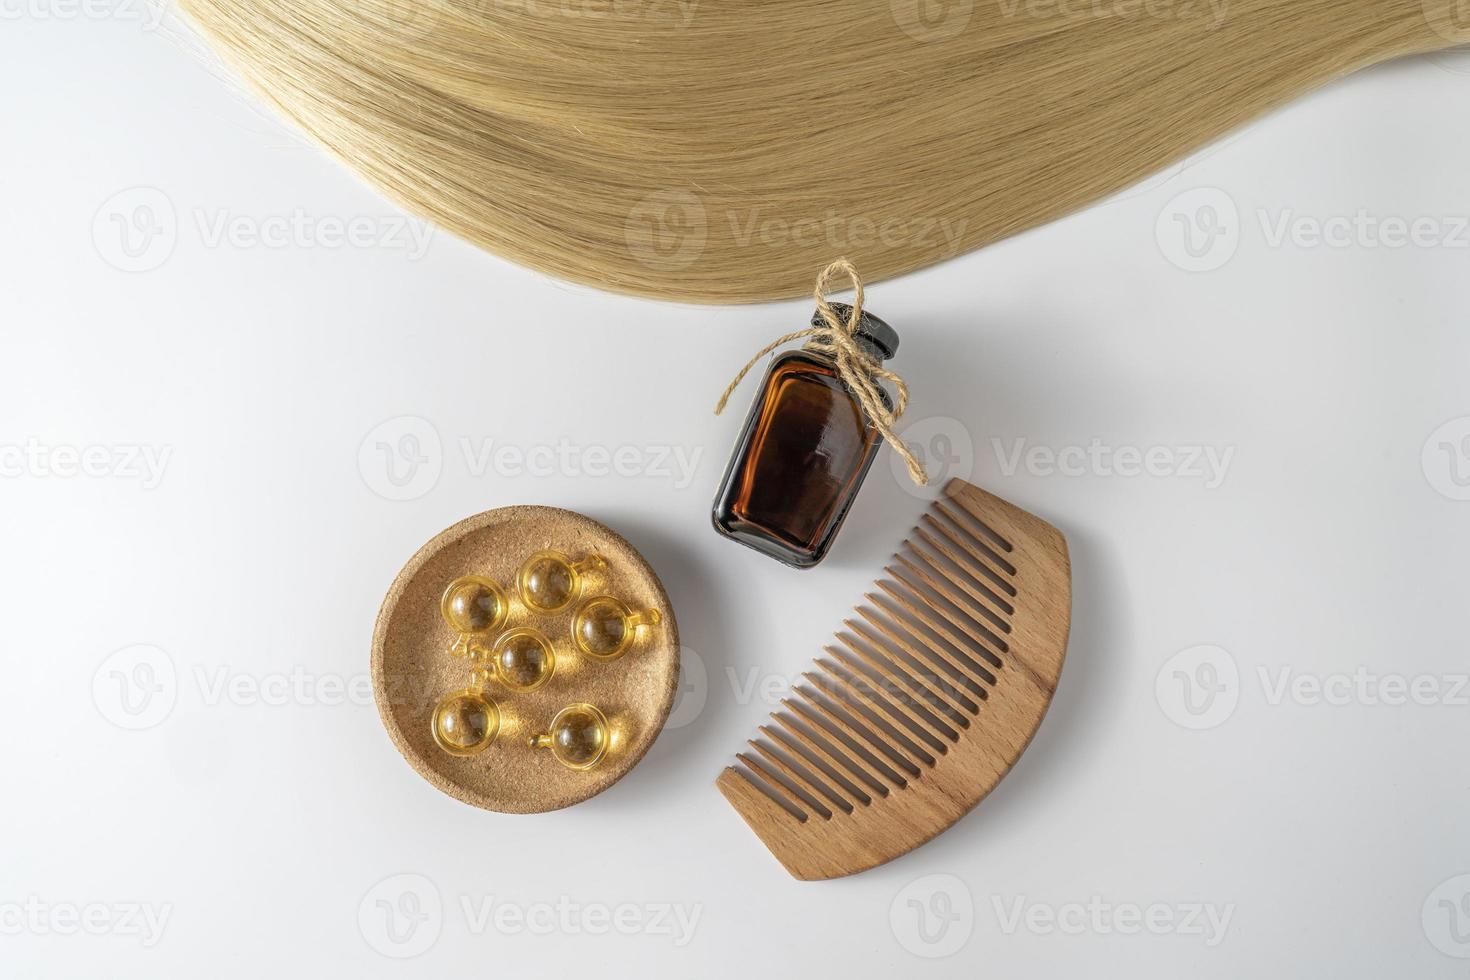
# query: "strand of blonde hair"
[[717, 151]]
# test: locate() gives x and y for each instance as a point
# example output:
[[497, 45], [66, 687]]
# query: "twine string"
[[857, 368]]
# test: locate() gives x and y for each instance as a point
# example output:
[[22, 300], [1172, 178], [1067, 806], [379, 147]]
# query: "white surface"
[[267, 826]]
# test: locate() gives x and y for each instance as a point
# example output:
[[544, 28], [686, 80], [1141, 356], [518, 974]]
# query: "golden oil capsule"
[[465, 722], [549, 581], [473, 605], [605, 627], [578, 738], [523, 659]]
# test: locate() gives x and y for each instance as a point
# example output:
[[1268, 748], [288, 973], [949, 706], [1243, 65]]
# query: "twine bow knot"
[[857, 368]]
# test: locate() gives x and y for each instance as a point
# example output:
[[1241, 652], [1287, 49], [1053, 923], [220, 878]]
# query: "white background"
[[266, 827]]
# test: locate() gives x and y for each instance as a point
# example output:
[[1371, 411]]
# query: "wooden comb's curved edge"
[[816, 849], [804, 854], [1042, 557], [1044, 562]]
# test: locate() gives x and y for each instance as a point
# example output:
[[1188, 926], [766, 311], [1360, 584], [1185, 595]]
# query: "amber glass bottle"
[[802, 454]]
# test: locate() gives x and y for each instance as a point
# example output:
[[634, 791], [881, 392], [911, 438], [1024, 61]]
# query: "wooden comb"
[[930, 695]]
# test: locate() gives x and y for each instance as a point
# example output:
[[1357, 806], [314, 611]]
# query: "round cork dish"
[[413, 667]]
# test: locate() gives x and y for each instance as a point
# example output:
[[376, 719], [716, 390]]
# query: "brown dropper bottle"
[[803, 452]]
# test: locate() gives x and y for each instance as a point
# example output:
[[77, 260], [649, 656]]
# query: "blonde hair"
[[723, 150]]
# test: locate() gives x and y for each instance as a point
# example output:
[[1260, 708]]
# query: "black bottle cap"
[[882, 338]]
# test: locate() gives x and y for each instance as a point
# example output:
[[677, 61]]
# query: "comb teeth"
[[927, 697]]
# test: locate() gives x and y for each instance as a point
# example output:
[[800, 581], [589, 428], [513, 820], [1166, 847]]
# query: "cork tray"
[[412, 667]]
